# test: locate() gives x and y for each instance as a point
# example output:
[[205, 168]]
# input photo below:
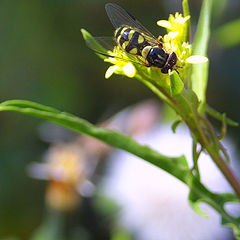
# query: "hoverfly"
[[132, 37]]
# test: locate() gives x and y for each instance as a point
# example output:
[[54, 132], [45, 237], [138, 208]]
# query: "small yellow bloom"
[[175, 22], [176, 38], [129, 70], [165, 24], [110, 71], [122, 64]]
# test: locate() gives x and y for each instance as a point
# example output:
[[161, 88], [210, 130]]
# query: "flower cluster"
[[119, 66], [176, 40]]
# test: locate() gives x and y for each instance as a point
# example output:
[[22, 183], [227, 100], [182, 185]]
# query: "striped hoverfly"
[[133, 38]]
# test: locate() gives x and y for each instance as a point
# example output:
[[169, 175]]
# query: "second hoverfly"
[[132, 37]]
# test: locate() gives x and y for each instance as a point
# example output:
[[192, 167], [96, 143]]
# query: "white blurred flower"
[[154, 205]]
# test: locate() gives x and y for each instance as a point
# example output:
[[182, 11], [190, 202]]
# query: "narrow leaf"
[[29, 104], [93, 44], [199, 75], [175, 125], [177, 166], [186, 13], [176, 84], [219, 116]]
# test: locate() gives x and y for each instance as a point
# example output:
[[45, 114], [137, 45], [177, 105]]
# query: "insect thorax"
[[131, 40]]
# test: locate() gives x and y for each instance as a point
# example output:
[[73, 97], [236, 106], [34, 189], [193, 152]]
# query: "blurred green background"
[[43, 58]]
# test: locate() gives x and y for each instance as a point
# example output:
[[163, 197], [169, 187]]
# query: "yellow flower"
[[176, 26], [176, 39], [121, 64]]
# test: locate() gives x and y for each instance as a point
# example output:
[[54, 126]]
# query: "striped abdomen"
[[135, 43], [130, 40]]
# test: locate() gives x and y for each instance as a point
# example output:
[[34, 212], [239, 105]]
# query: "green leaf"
[[220, 116], [176, 84], [29, 104], [186, 13], [94, 45], [185, 7], [188, 101], [176, 166], [199, 74], [228, 35], [199, 193], [175, 125], [195, 206]]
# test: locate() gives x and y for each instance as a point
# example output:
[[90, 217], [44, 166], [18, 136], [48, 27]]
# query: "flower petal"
[[129, 70], [111, 60], [111, 70], [165, 24], [194, 59], [182, 20], [173, 34]]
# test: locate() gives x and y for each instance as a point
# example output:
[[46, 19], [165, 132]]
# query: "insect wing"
[[102, 46], [120, 17]]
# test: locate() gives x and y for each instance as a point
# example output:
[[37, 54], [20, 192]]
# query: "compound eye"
[[171, 62]]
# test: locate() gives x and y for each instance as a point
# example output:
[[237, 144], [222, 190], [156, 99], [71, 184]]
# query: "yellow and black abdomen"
[[130, 40]]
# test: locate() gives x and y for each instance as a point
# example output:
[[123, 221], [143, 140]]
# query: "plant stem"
[[204, 133], [211, 144], [214, 148], [225, 169]]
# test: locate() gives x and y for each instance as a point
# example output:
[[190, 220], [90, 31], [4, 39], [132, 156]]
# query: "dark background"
[[43, 58]]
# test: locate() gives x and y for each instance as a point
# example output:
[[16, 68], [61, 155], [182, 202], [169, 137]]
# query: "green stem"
[[203, 131], [195, 156], [225, 169], [211, 144]]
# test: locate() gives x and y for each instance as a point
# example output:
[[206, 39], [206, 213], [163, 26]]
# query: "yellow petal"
[[111, 60], [164, 23], [111, 70], [186, 18], [182, 20], [194, 59], [173, 34], [129, 70]]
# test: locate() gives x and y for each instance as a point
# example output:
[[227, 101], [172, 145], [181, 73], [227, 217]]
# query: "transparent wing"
[[120, 17], [102, 46]]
